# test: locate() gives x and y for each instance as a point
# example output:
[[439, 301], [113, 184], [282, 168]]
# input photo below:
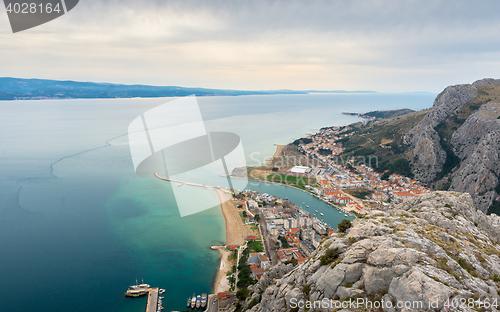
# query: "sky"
[[380, 45]]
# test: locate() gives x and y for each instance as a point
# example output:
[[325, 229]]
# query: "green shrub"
[[329, 256], [252, 303], [344, 225], [242, 293]]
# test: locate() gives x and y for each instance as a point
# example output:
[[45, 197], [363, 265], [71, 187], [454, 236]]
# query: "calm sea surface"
[[77, 226]]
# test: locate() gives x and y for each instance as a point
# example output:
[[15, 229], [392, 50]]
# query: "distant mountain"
[[29, 89], [35, 89], [340, 91]]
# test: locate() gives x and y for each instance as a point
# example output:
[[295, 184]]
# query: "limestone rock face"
[[424, 140], [476, 142], [430, 249]]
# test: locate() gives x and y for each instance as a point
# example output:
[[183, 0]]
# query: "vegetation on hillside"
[[380, 143], [389, 113], [344, 225], [360, 193]]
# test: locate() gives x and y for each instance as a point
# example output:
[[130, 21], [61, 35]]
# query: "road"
[[265, 237], [212, 305]]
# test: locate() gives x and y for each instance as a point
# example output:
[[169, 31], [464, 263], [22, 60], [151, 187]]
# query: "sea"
[[78, 226]]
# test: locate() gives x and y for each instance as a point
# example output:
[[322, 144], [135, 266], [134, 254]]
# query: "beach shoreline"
[[235, 235]]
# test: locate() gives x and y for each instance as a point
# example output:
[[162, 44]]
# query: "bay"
[[77, 226]]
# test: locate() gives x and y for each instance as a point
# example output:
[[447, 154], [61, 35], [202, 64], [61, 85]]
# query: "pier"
[[152, 300]]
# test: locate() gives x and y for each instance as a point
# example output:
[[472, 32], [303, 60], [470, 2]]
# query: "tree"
[[244, 214], [344, 225], [257, 217], [242, 293]]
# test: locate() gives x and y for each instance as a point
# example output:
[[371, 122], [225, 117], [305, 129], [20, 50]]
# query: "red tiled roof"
[[222, 295]]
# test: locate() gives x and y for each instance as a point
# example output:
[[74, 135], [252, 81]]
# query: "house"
[[264, 262], [253, 259], [257, 273]]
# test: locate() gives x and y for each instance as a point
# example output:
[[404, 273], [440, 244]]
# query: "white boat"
[[340, 212], [193, 301], [139, 286], [321, 214], [345, 214], [316, 210], [203, 300]]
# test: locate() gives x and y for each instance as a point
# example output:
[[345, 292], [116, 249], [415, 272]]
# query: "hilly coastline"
[[37, 89], [452, 146]]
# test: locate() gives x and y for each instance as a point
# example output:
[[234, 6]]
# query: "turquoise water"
[[331, 215], [77, 226]]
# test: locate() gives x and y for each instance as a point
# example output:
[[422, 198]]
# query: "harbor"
[[155, 301]]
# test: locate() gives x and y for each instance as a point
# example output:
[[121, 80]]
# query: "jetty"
[[152, 300]]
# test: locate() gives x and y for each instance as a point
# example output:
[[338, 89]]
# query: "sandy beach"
[[235, 229], [235, 235], [279, 151]]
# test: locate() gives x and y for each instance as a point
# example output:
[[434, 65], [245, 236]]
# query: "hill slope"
[[456, 146], [430, 250], [453, 146]]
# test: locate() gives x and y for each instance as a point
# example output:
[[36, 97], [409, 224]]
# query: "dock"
[[152, 300]]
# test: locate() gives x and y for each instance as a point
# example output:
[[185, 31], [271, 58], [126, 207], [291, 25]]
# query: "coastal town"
[[286, 232]]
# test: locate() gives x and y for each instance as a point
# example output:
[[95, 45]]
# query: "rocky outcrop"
[[424, 139], [428, 251], [476, 142]]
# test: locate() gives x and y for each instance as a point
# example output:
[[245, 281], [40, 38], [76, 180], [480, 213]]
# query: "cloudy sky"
[[384, 45]]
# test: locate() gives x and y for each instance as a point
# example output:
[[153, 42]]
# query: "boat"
[[198, 301], [193, 302], [307, 206], [140, 286], [203, 300], [321, 213], [345, 214], [136, 292], [340, 212], [189, 302], [316, 210]]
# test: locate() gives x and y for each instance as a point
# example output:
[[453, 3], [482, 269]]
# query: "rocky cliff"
[[427, 253], [456, 145]]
